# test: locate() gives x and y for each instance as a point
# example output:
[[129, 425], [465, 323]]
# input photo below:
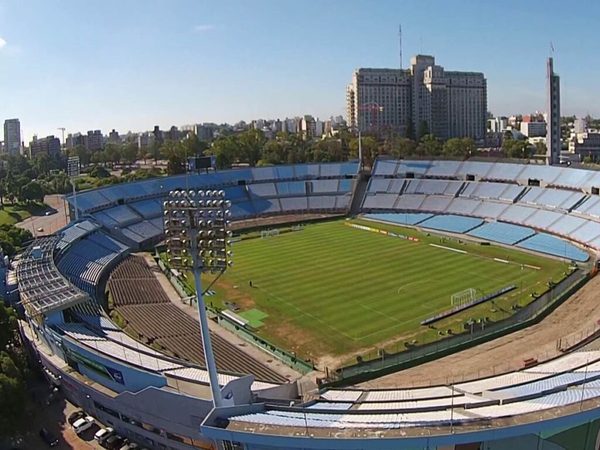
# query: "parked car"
[[103, 434], [75, 415], [48, 437], [114, 442], [80, 425], [130, 446]]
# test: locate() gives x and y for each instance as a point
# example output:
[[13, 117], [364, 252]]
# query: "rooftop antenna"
[[400, 41], [551, 49]]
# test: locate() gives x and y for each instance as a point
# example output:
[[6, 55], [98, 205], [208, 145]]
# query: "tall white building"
[[422, 99], [12, 137]]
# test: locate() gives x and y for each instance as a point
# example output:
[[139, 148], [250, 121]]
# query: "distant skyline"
[[130, 65]]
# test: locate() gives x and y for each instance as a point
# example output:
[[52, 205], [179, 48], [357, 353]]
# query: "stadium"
[[342, 280]]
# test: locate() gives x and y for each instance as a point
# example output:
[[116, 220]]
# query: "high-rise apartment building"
[[553, 144], [49, 145], [94, 140], [420, 100], [12, 137]]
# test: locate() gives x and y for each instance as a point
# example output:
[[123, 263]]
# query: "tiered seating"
[[590, 208], [433, 187], [451, 223], [291, 188], [504, 233], [435, 203], [262, 189], [148, 209], [88, 258], [400, 218], [151, 314], [294, 204], [381, 202], [464, 206], [546, 243], [75, 232]]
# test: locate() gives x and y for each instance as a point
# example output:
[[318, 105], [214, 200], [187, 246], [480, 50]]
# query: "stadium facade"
[[164, 401]]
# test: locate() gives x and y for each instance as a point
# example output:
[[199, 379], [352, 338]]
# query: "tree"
[[227, 151], [174, 152], [12, 365], [194, 146], [463, 147], [32, 191], [410, 131], [370, 149], [516, 148], [113, 153], [83, 153], [429, 146], [99, 172], [423, 129], [129, 153], [540, 148], [252, 142]]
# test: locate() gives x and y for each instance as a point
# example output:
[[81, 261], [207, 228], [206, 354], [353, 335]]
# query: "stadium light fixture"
[[197, 237]]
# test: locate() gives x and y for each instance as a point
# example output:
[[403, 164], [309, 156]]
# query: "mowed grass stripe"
[[343, 283]]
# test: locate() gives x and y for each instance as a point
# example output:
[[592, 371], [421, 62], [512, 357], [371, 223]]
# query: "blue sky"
[[130, 64]]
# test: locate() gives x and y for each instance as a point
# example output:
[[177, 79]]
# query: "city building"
[[145, 140], [497, 124], [94, 140], [579, 125], [158, 135], [173, 134], [423, 99], [49, 145], [553, 114], [113, 137], [12, 137], [586, 144], [533, 129], [75, 140]]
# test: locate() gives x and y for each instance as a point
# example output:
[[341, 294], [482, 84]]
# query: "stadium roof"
[[42, 288]]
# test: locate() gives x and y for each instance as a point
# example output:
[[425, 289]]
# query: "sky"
[[133, 64]]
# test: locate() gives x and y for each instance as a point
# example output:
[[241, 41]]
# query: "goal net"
[[463, 297], [268, 233]]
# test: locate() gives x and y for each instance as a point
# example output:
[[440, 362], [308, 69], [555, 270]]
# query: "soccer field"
[[331, 289]]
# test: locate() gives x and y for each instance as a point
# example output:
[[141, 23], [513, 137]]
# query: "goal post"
[[463, 297]]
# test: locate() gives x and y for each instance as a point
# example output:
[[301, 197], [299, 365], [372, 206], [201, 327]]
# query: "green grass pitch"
[[332, 290]]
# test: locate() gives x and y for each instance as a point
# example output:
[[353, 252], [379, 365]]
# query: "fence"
[[377, 364]]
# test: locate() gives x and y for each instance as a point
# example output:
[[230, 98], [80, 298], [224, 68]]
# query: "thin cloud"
[[2, 43], [203, 28]]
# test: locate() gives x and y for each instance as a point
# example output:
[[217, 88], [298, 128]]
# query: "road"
[[48, 224]]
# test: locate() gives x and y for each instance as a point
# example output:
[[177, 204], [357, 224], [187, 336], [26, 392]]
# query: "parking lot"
[[47, 224], [53, 417]]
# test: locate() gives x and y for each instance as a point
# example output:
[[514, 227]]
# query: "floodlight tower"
[[197, 237]]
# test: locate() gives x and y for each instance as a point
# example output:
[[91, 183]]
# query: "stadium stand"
[[504, 233], [546, 243], [141, 301], [401, 218], [451, 223], [88, 259]]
